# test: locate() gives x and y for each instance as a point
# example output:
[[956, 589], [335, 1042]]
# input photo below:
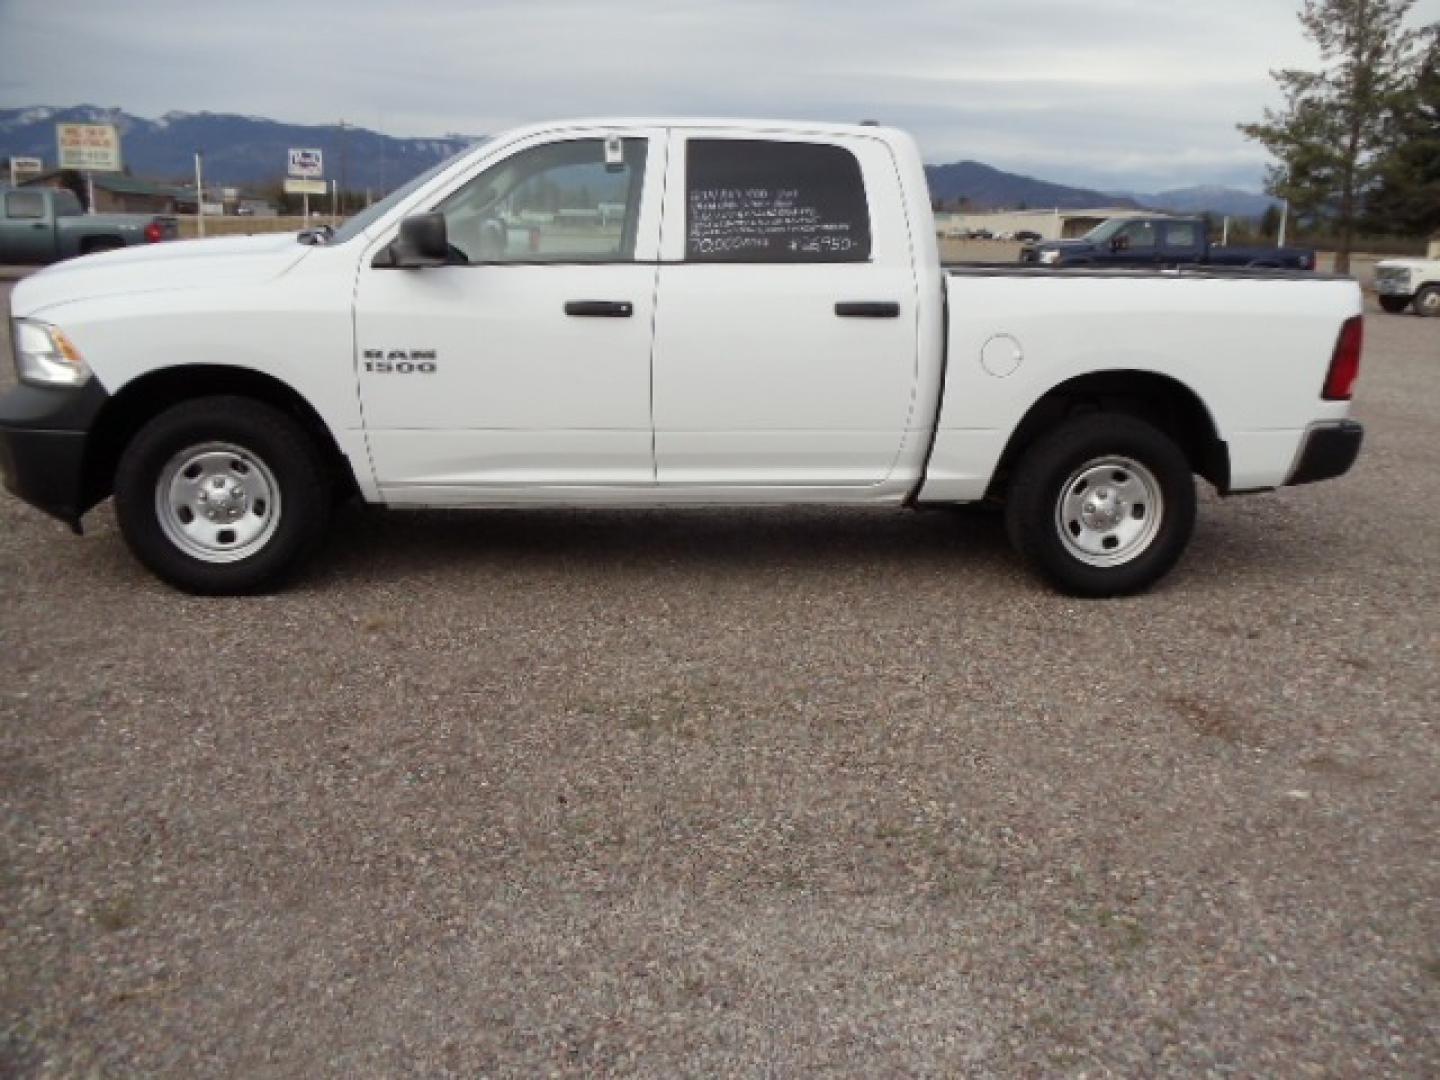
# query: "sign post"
[[89, 148], [307, 167], [199, 199], [305, 188]]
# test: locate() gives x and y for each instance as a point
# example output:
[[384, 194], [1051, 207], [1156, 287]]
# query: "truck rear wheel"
[[222, 495], [1394, 305], [1427, 302], [1102, 506]]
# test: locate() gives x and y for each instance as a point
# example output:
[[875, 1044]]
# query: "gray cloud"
[[1110, 93]]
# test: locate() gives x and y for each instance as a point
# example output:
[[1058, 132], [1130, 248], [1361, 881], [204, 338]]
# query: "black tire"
[[277, 456], [1393, 305], [1427, 302], [1151, 476]]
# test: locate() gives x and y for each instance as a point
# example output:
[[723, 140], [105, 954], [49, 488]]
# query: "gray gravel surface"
[[758, 793]]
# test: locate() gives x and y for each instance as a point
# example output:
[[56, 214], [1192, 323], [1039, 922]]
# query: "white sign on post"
[[307, 164], [23, 168], [305, 187], [89, 147]]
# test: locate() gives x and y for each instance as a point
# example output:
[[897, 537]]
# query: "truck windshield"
[[367, 217], [1106, 229]]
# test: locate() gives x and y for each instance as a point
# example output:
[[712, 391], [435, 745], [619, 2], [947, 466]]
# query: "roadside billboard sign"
[[307, 164], [89, 147], [23, 168], [305, 187]]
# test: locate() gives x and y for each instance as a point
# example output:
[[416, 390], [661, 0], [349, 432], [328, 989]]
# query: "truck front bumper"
[[1328, 451], [43, 436]]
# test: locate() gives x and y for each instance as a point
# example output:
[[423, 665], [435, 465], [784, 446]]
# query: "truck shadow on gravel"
[[366, 542], [369, 544]]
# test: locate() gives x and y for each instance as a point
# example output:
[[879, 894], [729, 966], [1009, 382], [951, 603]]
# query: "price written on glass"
[[756, 221]]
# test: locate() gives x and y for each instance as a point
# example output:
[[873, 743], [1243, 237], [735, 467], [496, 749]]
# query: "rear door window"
[[1181, 234], [761, 200]]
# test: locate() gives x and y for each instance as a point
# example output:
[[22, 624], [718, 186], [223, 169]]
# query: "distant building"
[[1050, 224], [116, 194]]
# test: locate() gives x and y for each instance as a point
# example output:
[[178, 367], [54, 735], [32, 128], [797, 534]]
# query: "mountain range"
[[252, 150], [236, 149]]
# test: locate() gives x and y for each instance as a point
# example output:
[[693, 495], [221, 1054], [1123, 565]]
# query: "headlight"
[[44, 356], [1049, 256]]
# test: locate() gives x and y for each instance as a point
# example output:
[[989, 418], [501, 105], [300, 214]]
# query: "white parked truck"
[[641, 313], [1400, 283]]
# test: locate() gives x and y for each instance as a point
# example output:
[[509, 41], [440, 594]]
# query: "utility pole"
[[342, 162], [1284, 221], [199, 198]]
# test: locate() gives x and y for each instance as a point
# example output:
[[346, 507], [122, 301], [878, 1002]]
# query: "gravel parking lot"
[[766, 793]]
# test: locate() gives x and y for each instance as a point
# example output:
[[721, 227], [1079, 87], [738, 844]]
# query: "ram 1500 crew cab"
[[642, 313]]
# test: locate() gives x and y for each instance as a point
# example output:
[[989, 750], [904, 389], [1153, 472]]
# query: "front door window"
[[575, 201]]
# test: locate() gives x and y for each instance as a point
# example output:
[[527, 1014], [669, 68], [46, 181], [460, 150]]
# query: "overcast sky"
[[1137, 94]]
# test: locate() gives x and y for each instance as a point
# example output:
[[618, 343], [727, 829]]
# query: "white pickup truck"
[[640, 313], [1403, 282]]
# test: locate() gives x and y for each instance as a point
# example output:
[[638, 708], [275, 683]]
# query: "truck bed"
[[1010, 269], [1255, 357]]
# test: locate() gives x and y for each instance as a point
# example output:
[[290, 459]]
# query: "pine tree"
[[1335, 124], [1407, 201], [1270, 222]]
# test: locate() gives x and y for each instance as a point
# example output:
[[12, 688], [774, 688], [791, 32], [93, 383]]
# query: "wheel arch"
[[1161, 400], [144, 398], [102, 241]]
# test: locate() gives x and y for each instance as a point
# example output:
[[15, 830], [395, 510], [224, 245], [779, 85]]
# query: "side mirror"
[[422, 242], [1119, 243]]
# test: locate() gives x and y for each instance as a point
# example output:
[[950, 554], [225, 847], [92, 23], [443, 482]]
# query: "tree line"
[[1357, 143]]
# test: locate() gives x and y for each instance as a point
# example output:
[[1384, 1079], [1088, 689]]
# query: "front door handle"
[[600, 309], [868, 309]]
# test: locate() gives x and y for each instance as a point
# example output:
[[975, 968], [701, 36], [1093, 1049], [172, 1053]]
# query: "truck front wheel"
[[222, 495], [1102, 506], [1394, 305], [1427, 301]]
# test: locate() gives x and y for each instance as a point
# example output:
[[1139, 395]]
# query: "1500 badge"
[[399, 361]]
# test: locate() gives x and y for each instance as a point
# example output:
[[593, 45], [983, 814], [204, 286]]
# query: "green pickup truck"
[[44, 225]]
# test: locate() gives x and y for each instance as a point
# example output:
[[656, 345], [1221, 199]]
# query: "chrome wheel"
[[217, 502], [1109, 511]]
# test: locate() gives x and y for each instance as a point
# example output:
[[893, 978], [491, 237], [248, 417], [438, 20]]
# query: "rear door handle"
[[600, 309], [868, 309]]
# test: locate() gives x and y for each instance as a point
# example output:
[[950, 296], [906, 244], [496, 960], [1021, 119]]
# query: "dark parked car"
[[1159, 241]]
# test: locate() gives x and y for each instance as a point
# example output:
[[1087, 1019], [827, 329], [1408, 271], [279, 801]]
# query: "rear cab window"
[[1181, 234], [743, 196], [753, 200]]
